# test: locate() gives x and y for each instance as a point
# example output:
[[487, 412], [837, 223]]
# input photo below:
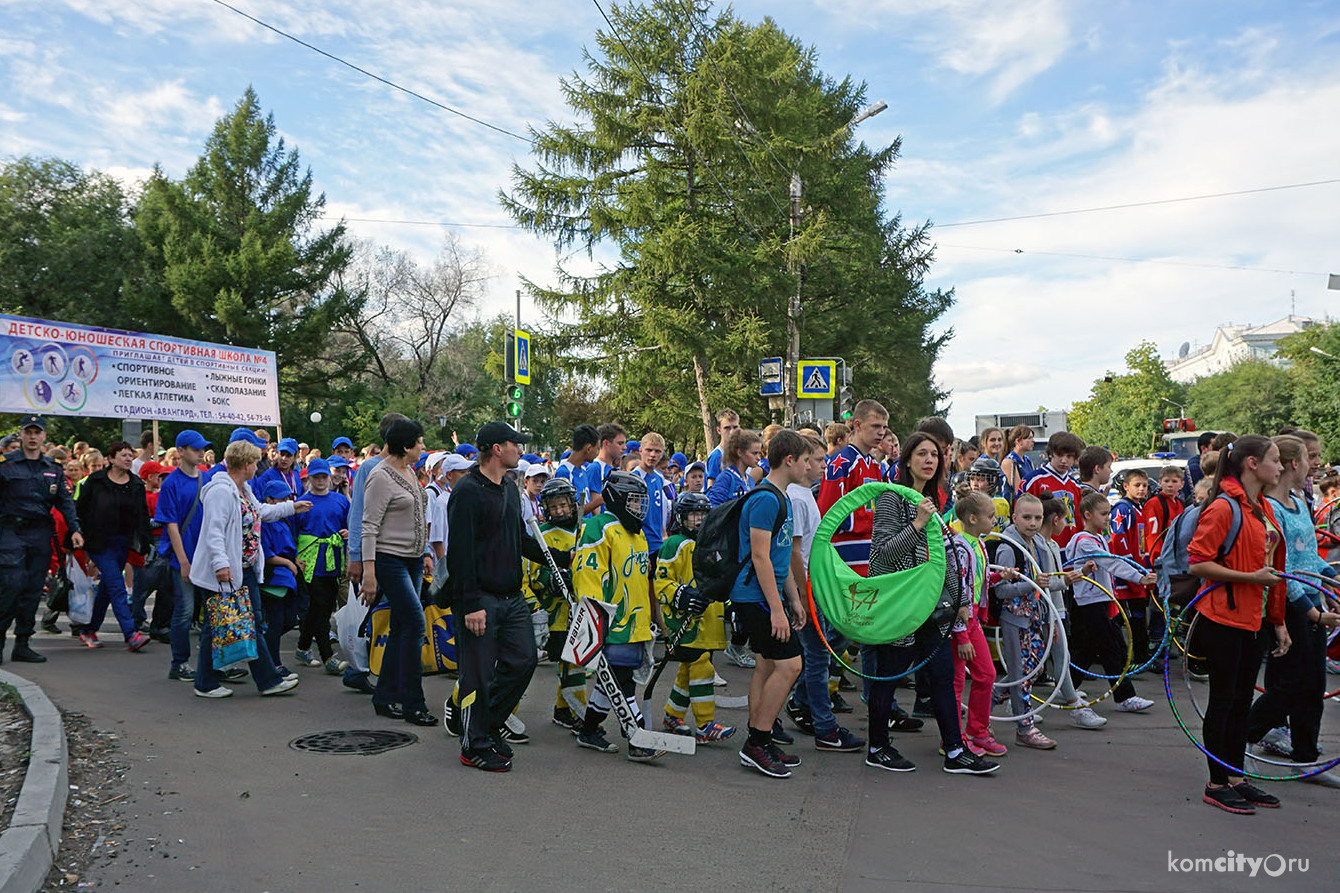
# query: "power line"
[[1162, 201], [375, 77], [1137, 260]]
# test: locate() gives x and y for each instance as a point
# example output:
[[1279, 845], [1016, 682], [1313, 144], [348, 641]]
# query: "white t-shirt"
[[437, 518], [807, 517]]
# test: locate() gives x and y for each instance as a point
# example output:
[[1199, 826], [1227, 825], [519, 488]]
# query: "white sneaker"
[[221, 691], [1135, 704], [1081, 695], [280, 687], [740, 656], [1086, 718], [717, 680], [1277, 742]]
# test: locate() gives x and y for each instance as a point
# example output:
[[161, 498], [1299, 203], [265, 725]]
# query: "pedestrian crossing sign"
[[817, 380], [521, 344]]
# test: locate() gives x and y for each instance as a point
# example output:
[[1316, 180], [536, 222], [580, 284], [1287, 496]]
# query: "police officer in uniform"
[[31, 485]]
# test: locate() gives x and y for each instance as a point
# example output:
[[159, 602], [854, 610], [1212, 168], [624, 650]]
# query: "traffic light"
[[513, 401], [846, 403]]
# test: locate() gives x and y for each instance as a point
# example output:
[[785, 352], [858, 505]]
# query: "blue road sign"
[[770, 377], [816, 379]]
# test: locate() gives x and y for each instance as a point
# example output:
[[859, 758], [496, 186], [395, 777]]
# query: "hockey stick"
[[670, 647], [636, 735]]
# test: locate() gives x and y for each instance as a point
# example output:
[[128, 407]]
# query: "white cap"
[[536, 468], [455, 462], [435, 459]]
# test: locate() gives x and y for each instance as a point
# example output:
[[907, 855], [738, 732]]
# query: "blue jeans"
[[401, 679], [183, 610], [111, 564], [811, 690], [263, 670]]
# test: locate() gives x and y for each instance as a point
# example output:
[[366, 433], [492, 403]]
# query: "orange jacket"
[[1236, 604]]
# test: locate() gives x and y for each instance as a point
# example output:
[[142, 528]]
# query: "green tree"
[[241, 257], [687, 134], [67, 244], [1125, 412], [1251, 396], [1316, 383]]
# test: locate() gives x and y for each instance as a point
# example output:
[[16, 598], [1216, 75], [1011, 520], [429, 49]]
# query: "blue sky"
[[1004, 109]]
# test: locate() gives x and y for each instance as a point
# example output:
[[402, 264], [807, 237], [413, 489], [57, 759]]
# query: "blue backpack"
[[1175, 564]]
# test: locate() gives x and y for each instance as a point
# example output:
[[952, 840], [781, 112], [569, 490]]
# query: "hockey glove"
[[688, 600]]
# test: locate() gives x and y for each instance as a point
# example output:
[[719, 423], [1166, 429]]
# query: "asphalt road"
[[219, 802]]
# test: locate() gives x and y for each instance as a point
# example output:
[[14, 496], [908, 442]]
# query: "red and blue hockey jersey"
[[1065, 488], [846, 470]]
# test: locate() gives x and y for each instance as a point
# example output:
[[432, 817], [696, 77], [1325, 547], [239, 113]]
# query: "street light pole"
[[791, 383]]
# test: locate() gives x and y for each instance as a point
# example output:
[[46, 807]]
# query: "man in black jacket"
[[495, 643]]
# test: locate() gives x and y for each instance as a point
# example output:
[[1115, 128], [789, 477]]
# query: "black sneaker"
[[839, 740], [752, 756], [566, 718], [969, 763], [52, 627], [182, 673], [790, 761], [901, 722], [1228, 800], [596, 741], [800, 716], [781, 735], [487, 760], [359, 683], [233, 674], [451, 719], [845, 684], [840, 704], [922, 708], [889, 758], [500, 744], [1255, 796], [511, 736]]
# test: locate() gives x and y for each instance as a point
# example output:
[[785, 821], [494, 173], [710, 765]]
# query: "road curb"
[[28, 846]]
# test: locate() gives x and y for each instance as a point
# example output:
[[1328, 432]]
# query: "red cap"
[[152, 467]]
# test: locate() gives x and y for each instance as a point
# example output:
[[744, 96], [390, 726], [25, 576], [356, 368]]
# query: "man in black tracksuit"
[[495, 642]]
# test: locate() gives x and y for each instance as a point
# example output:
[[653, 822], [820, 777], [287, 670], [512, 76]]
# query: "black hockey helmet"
[[558, 502], [625, 495], [685, 506]]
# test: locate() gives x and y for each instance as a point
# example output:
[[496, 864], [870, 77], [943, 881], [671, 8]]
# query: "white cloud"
[[1197, 130], [1005, 44]]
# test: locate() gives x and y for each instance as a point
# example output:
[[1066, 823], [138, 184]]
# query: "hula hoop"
[[1051, 634], [1130, 645], [1020, 547], [1130, 650], [1324, 593], [1233, 770], [1080, 559], [1055, 617]]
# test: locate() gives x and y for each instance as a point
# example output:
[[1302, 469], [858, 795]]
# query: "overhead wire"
[[376, 77], [1135, 260], [1143, 204]]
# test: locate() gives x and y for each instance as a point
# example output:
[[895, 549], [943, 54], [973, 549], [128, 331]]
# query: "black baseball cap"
[[32, 421], [498, 432]]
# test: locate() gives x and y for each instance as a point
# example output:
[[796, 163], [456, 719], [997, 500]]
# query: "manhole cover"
[[356, 741]]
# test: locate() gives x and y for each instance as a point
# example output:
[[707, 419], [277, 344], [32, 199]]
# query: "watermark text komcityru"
[[1272, 865]]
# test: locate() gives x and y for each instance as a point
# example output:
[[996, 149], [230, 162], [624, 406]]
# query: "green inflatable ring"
[[874, 610]]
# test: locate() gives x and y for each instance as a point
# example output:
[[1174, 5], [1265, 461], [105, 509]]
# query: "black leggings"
[[321, 593], [1295, 686], [1233, 657], [1098, 639]]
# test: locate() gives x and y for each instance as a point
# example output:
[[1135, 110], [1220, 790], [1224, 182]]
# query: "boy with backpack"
[[757, 597]]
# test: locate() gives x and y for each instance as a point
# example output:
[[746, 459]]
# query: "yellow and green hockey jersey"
[[537, 576], [674, 568], [611, 565]]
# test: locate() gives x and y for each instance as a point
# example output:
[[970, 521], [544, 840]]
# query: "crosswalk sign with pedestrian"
[[817, 379]]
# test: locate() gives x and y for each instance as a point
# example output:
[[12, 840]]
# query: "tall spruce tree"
[[242, 258], [686, 137]]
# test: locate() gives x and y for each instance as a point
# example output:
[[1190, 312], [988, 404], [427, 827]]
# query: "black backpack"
[[716, 556]]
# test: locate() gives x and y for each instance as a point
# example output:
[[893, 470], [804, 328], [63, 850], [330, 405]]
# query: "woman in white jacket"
[[229, 554]]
